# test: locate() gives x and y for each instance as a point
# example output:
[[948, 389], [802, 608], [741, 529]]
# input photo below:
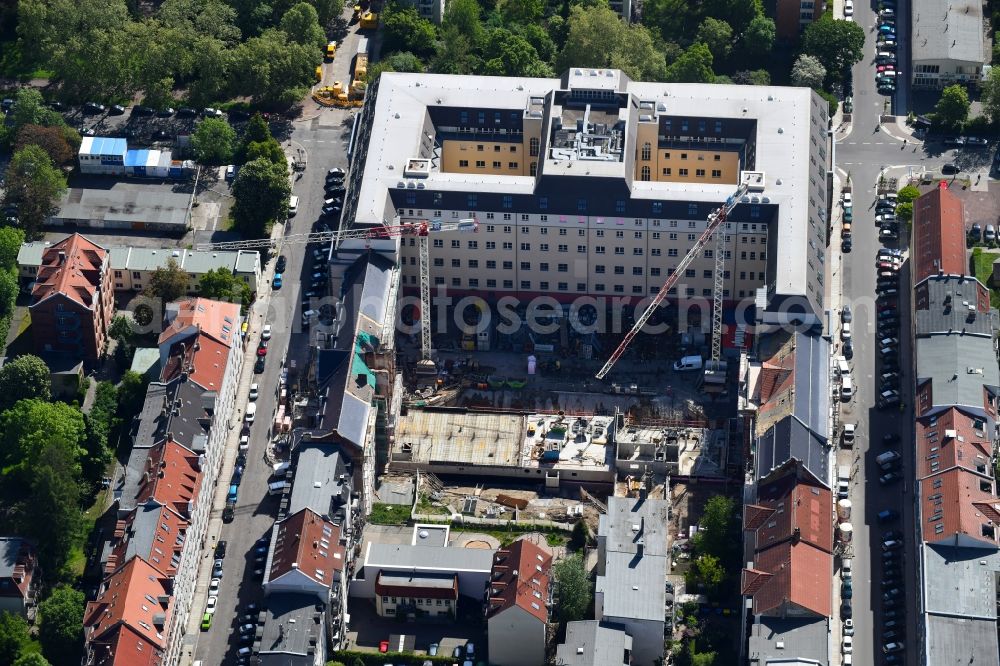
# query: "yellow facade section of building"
[[683, 165], [502, 158]]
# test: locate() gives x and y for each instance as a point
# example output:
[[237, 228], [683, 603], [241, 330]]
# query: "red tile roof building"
[[938, 235], [307, 556], [172, 477], [517, 604], [73, 299], [156, 534], [18, 568], [197, 341], [792, 528], [126, 624]]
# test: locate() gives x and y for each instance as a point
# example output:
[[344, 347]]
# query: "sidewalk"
[[255, 321]]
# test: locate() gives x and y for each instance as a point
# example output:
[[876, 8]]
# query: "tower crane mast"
[[421, 230], [715, 221]]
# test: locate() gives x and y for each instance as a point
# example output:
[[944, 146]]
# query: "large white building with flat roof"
[[596, 185]]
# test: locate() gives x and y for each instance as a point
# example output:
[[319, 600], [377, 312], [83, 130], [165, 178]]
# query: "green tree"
[[904, 211], [907, 195], [36, 185], [121, 330], [755, 77], [30, 427], [837, 44], [60, 143], [989, 93], [301, 24], [13, 636], [715, 529], [23, 378], [739, 13], [211, 64], [11, 239], [269, 150], [675, 20], [131, 394], [169, 282], [952, 109], [213, 141], [718, 35], [464, 17], [521, 12], [257, 130], [60, 628], [400, 62], [573, 588], [808, 72], [507, 54], [705, 571], [758, 38], [221, 285], [455, 53], [32, 659], [100, 422], [53, 491], [272, 69], [694, 66], [405, 30], [201, 18], [597, 37], [29, 109], [538, 37], [261, 192]]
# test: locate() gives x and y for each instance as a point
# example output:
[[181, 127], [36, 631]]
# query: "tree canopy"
[[808, 72], [13, 636], [35, 185], [694, 66], [213, 141], [989, 95], [61, 625], [220, 284], [22, 378], [836, 44], [168, 283], [952, 109], [573, 588], [261, 191]]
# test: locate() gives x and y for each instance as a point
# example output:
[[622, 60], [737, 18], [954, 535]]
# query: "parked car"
[[276, 281], [887, 516], [258, 366], [949, 168], [976, 232], [848, 8], [889, 478], [279, 265], [976, 141], [990, 234], [93, 107]]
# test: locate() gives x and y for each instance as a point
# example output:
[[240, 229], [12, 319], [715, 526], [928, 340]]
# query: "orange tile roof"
[[161, 546], [936, 452], [125, 647], [792, 575], [131, 598], [77, 277], [800, 512], [309, 544], [517, 581], [958, 503], [938, 235], [215, 319], [171, 477]]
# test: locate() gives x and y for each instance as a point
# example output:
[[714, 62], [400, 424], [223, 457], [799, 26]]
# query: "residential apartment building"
[[590, 643], [18, 575], [72, 302], [132, 267], [791, 17], [632, 565], [164, 496], [517, 603], [948, 42], [788, 501], [432, 10], [957, 382], [595, 185], [416, 596], [627, 9]]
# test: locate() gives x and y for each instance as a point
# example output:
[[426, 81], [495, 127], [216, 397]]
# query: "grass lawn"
[[13, 66], [983, 264], [389, 514], [77, 560]]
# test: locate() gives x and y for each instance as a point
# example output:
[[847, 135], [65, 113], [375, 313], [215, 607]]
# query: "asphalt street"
[[322, 143], [866, 150]]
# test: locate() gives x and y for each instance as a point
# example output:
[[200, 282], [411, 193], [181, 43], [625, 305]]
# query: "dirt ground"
[[490, 505]]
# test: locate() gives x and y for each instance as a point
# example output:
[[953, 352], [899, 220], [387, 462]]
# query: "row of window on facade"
[[472, 201], [647, 154], [481, 164], [543, 285], [646, 174], [619, 250], [599, 269]]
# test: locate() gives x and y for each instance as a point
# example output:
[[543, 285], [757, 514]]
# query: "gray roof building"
[[944, 30], [123, 209], [632, 587], [428, 558], [953, 304], [322, 481], [590, 643], [788, 642], [787, 439], [961, 370], [961, 582], [293, 633]]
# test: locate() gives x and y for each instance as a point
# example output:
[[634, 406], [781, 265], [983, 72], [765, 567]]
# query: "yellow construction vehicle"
[[319, 73], [331, 50], [369, 21]]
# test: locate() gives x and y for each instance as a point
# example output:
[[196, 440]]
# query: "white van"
[[251, 412], [293, 205], [280, 468], [846, 388], [688, 363], [843, 367], [845, 567], [276, 487]]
